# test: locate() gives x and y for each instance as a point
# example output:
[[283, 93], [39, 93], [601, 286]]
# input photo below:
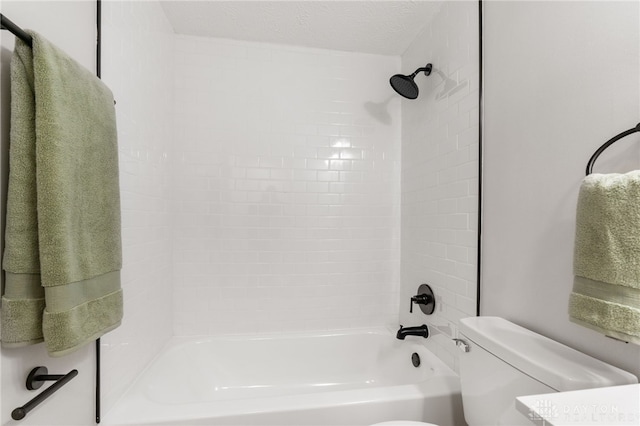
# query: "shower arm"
[[427, 70]]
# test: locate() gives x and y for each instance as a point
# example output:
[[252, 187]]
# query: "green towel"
[[606, 288], [62, 242]]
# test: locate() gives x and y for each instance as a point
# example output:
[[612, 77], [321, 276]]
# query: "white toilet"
[[502, 360]]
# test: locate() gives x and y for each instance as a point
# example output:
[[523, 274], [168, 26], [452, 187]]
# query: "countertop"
[[614, 405]]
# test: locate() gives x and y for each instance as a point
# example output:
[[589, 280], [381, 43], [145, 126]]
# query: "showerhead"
[[404, 84]]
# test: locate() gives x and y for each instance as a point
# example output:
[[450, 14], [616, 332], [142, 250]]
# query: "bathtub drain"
[[415, 359]]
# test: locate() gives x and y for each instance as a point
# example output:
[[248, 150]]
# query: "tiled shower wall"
[[440, 175], [137, 57], [287, 188]]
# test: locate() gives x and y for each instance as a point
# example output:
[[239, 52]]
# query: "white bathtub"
[[346, 378]]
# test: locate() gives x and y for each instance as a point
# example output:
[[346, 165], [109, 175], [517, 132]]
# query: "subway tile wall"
[[287, 188], [440, 175], [136, 65], [261, 184]]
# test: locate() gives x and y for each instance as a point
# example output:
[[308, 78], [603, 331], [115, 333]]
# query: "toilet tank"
[[505, 360]]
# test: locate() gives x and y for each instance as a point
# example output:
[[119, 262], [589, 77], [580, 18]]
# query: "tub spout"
[[421, 330]]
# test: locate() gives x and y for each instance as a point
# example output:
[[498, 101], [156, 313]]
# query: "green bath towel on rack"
[[606, 287], [62, 242]]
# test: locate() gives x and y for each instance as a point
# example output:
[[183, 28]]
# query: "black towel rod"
[[7, 24], [35, 380], [607, 144]]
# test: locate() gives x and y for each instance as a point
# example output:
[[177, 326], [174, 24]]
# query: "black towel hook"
[[607, 144]]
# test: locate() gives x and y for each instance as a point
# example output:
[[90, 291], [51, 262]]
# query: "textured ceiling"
[[369, 26]]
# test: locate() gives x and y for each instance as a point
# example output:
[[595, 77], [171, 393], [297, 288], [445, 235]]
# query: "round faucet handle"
[[425, 298], [420, 299]]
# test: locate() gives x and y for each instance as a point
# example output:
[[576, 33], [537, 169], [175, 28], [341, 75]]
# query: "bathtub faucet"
[[421, 330]]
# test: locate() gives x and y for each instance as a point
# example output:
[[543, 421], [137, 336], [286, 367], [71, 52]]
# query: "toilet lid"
[[403, 423]]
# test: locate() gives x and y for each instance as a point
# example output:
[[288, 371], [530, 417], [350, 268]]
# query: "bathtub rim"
[[117, 414]]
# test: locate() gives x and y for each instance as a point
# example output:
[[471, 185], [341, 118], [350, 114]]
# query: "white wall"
[[287, 188], [137, 64], [440, 175], [561, 78], [74, 31]]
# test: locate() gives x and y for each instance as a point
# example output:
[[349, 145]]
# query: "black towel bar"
[[7, 24], [35, 380], [607, 144]]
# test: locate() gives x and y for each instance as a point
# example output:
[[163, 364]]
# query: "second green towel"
[[606, 288]]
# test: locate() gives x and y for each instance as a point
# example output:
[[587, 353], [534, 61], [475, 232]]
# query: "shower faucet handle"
[[420, 299], [425, 298]]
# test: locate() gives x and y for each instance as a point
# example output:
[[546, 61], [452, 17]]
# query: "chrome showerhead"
[[404, 84]]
